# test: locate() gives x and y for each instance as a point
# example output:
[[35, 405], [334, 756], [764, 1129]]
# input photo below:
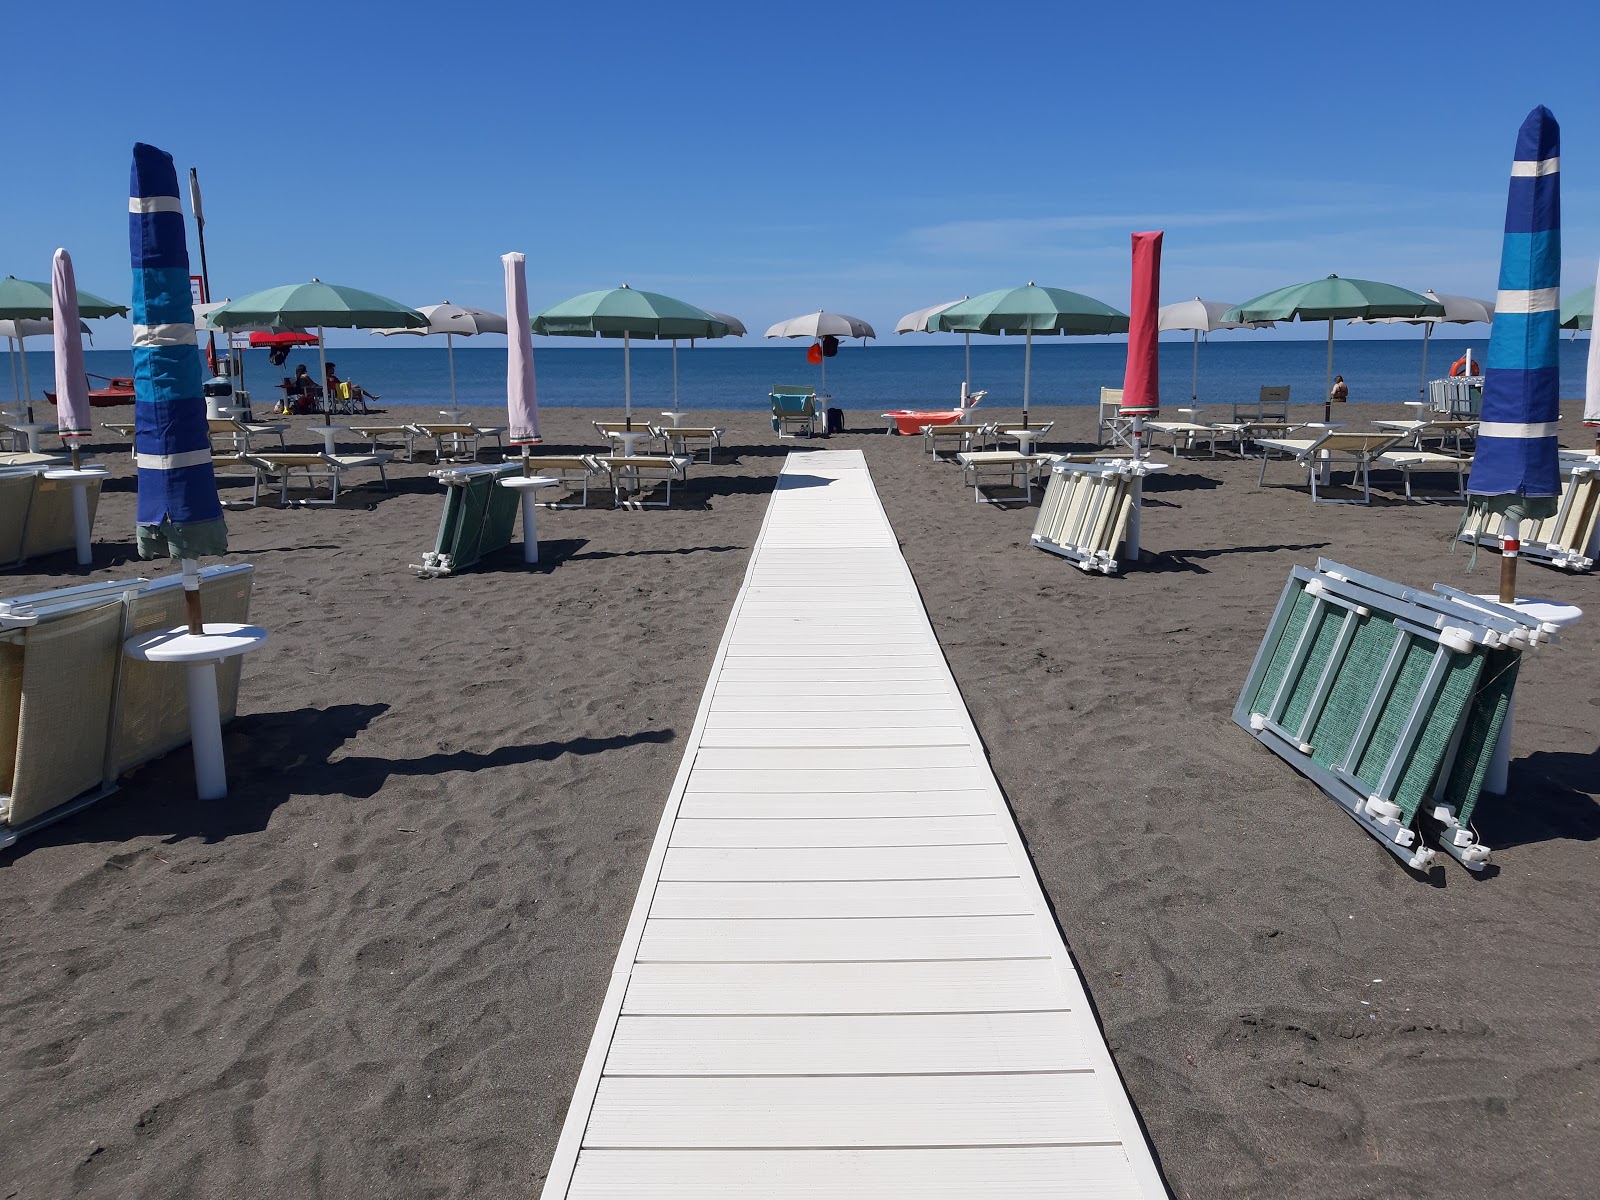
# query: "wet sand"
[[374, 970]]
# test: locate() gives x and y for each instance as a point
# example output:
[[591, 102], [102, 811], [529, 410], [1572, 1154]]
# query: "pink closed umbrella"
[[1141, 384], [522, 393], [72, 384]]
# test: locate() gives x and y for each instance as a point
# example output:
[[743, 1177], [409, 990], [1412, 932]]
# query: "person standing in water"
[[1341, 391]]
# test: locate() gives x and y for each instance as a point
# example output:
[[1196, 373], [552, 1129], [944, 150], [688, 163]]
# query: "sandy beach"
[[374, 970]]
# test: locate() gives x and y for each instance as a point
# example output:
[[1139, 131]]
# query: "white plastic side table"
[[80, 480], [630, 438], [34, 431], [1547, 612], [329, 435], [527, 486], [200, 653], [675, 417], [1025, 438]]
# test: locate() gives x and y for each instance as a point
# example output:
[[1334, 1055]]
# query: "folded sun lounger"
[[1391, 699], [479, 517], [1568, 541], [1085, 513]]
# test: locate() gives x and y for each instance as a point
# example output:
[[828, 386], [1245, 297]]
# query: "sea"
[[868, 378]]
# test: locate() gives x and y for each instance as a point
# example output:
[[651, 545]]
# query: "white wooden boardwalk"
[[840, 978]]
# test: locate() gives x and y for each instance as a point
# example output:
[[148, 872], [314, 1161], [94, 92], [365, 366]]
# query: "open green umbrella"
[[325, 305], [24, 299], [1334, 299], [627, 313], [1030, 310], [1577, 309]]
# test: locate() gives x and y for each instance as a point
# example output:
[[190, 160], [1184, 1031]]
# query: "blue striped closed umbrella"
[[1515, 471], [179, 511]]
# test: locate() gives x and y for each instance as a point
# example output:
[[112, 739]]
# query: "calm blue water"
[[1065, 371]]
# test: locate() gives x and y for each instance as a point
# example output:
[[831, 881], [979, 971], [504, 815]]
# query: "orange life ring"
[[1459, 367]]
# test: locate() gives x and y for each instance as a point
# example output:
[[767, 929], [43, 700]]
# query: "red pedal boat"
[[117, 391]]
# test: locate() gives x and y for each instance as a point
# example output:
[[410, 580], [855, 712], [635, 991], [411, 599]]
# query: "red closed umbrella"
[[1141, 385], [291, 338]]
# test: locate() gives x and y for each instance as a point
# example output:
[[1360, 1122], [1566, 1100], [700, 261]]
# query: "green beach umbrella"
[[1577, 309], [1334, 299], [24, 299], [626, 313], [1030, 310], [325, 305]]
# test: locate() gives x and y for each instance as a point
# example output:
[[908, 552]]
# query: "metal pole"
[[205, 271], [967, 337], [627, 378], [1327, 394], [1027, 376], [1194, 376], [674, 374], [824, 373], [327, 400], [11, 357], [1422, 391], [27, 387], [1510, 548], [450, 350]]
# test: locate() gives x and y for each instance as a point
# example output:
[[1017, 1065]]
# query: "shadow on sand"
[[273, 756]]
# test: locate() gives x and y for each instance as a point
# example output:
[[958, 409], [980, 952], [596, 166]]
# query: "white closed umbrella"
[[453, 320], [1458, 310], [821, 324], [1201, 316]]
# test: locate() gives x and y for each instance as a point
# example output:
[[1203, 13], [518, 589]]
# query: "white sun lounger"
[[317, 468], [1355, 450], [1426, 461], [456, 439], [681, 440], [574, 470], [1009, 468], [959, 438], [635, 476]]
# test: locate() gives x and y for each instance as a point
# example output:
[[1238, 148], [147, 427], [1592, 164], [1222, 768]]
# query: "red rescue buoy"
[[814, 353]]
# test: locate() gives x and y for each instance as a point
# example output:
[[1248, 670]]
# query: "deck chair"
[[1407, 461], [680, 439], [1271, 404], [1085, 512], [1114, 428], [1331, 449], [457, 439], [633, 477], [235, 434], [1390, 699], [573, 470], [957, 439], [479, 517], [1568, 541], [318, 468], [1005, 468], [394, 437], [794, 408]]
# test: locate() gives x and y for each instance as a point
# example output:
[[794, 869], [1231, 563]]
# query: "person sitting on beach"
[[1341, 392]]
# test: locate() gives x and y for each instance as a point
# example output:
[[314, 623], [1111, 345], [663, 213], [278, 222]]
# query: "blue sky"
[[891, 157]]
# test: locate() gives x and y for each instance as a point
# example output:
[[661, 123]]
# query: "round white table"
[[1546, 612], [34, 431], [199, 654], [675, 417], [1025, 438], [527, 486], [630, 438], [329, 435], [80, 480]]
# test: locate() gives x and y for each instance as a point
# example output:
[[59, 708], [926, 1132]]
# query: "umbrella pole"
[[674, 374], [967, 337], [1027, 375], [1327, 393], [11, 357], [327, 400], [450, 350], [627, 380], [1422, 390], [1510, 548], [824, 374], [27, 387], [1194, 376], [191, 596]]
